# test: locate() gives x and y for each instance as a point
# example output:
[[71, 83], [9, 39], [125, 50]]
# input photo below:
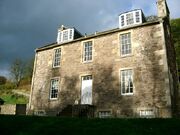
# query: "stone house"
[[129, 71]]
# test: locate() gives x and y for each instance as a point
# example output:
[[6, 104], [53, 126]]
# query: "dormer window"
[[137, 17], [67, 34], [131, 18]]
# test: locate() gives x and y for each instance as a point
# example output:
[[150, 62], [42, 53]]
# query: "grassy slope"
[[11, 98], [23, 125]]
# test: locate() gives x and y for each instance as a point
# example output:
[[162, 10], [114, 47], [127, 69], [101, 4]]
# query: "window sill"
[[56, 67], [86, 62], [128, 55], [128, 94], [53, 99]]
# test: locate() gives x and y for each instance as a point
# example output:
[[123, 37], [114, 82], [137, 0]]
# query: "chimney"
[[62, 27], [163, 10]]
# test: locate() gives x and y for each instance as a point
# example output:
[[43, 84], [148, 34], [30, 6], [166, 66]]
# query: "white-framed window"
[[54, 88], [65, 35], [104, 114], [125, 43], [137, 16], [71, 34], [57, 57], [87, 51], [131, 18], [87, 77], [86, 89], [126, 82], [40, 112], [122, 20], [148, 113]]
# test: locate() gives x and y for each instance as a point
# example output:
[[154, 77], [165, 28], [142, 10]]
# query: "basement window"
[[104, 114], [149, 113], [40, 113]]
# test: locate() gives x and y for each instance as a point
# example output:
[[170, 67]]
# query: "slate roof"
[[52, 45]]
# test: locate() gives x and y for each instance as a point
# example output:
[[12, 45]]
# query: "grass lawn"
[[11, 98], [31, 125], [14, 99]]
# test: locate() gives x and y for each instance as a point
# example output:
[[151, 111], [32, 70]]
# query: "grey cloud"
[[28, 24]]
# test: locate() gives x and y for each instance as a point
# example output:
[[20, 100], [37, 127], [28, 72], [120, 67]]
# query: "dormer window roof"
[[131, 18], [67, 34]]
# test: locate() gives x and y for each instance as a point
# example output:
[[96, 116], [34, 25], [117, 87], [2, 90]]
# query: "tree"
[[2, 80], [28, 71], [16, 71], [175, 28]]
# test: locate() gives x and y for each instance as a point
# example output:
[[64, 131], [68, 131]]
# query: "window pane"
[[137, 17], [125, 43], [54, 88], [57, 57], [126, 82], [122, 20], [129, 18], [70, 34], [88, 51], [65, 35]]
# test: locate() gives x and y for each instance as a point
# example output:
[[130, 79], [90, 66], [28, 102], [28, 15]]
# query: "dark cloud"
[[29, 24]]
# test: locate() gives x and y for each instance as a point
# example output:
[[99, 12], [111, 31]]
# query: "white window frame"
[[40, 112], [52, 89], [122, 80], [134, 18], [87, 77], [104, 114], [130, 18], [122, 20], [65, 35], [147, 113], [84, 52], [57, 59], [124, 43]]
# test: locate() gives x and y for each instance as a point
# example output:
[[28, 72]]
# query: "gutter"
[[50, 46]]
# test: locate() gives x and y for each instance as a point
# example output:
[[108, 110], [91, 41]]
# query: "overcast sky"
[[28, 24]]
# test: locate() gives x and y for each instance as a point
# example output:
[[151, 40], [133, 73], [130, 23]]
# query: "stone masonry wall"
[[8, 109], [147, 62]]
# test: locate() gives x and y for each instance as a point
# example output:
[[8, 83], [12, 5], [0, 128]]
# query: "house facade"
[[129, 71]]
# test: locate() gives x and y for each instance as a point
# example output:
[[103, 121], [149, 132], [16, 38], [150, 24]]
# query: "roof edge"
[[52, 45]]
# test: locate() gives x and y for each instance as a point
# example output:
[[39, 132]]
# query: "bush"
[[7, 86], [2, 80]]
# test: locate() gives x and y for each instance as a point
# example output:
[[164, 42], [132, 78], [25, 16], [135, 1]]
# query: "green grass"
[[29, 125], [10, 98], [14, 99]]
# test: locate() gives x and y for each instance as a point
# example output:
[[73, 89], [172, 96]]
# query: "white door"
[[86, 90]]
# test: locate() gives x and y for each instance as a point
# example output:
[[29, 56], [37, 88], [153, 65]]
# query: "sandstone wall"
[[8, 109], [148, 62]]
